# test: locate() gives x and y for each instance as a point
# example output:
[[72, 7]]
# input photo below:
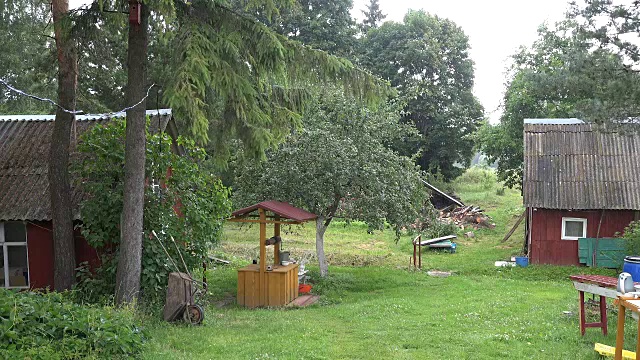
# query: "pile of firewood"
[[467, 216]]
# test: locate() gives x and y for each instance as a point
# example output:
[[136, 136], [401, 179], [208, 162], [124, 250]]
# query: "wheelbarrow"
[[182, 290]]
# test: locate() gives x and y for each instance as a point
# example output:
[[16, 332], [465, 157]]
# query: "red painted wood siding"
[[40, 252], [547, 247]]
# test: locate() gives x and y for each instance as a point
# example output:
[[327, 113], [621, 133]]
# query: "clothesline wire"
[[74, 112]]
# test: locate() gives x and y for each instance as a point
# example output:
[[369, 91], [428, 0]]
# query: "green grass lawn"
[[374, 307]]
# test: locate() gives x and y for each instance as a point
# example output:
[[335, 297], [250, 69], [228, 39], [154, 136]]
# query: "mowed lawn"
[[373, 306]]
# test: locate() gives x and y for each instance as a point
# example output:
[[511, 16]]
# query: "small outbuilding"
[[580, 180], [26, 241], [265, 284]]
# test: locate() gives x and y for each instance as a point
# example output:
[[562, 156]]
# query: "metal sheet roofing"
[[567, 121], [24, 152], [582, 166], [283, 209]]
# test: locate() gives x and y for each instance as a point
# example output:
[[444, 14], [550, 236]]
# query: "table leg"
[[620, 332], [581, 312], [638, 342], [603, 314]]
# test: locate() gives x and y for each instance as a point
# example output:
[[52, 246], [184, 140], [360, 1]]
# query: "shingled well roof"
[[24, 155], [582, 166], [282, 209]]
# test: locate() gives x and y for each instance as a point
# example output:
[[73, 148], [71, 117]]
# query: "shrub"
[[182, 201], [632, 238], [50, 326]]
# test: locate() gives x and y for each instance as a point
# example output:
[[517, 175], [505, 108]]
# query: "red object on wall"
[[40, 253], [547, 246], [135, 12]]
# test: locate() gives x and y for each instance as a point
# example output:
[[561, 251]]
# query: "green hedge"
[[50, 326]]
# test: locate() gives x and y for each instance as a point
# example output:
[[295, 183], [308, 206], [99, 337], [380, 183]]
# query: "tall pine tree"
[[373, 16]]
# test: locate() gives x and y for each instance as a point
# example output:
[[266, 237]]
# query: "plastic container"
[[304, 288], [522, 261], [632, 266], [453, 248]]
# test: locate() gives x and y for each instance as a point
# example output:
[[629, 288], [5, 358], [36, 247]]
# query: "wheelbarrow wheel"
[[194, 314]]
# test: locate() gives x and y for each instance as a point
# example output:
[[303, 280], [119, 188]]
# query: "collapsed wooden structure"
[[276, 284]]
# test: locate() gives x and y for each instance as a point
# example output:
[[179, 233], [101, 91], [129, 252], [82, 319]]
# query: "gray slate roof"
[[24, 153], [582, 166]]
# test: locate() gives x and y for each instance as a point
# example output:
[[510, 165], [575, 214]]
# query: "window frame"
[[5, 253], [564, 228]]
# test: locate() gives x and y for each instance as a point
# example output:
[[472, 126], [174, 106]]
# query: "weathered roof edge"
[[82, 117]]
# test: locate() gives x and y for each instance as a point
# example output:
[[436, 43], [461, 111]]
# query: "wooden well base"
[[280, 286]]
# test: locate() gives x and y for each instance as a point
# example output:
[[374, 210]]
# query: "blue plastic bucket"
[[522, 261], [632, 266], [452, 249]]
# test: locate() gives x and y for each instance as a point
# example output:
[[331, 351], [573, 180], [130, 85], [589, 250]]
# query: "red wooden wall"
[[40, 252], [546, 227]]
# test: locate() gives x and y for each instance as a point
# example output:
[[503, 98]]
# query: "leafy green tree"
[[341, 159], [322, 24], [373, 16], [181, 201], [426, 59], [560, 76]]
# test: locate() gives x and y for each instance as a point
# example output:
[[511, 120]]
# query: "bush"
[[50, 326], [183, 201], [632, 238]]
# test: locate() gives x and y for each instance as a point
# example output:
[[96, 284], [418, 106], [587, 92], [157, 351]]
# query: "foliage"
[[235, 78], [631, 238], [373, 16], [27, 55], [341, 157], [426, 58], [322, 24], [50, 326], [610, 25], [559, 76], [181, 201]]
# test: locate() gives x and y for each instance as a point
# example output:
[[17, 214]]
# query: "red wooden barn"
[[26, 244], [580, 180]]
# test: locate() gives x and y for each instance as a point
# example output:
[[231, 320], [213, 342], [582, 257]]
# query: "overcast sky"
[[496, 28]]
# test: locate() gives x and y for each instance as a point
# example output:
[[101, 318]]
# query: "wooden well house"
[[265, 284]]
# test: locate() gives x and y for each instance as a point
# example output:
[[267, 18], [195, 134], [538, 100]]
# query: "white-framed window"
[[14, 260], [573, 228]]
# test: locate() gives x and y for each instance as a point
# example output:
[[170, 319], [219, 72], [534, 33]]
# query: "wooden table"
[[605, 286], [634, 306]]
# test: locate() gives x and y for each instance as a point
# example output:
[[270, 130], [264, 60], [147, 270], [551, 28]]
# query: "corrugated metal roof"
[[567, 121], [24, 155], [283, 209], [582, 166]]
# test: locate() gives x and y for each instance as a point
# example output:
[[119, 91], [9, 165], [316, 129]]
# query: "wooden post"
[[276, 246], [420, 252], [262, 286], [414, 255], [620, 333]]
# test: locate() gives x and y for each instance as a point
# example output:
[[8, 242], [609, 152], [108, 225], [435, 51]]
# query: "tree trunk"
[[322, 260], [64, 258], [130, 257]]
